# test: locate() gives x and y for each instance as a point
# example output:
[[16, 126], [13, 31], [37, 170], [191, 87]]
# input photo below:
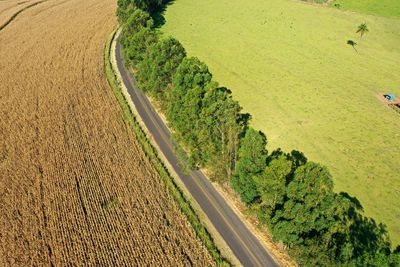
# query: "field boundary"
[[202, 226]]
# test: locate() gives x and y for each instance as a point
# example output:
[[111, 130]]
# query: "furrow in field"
[[13, 16]]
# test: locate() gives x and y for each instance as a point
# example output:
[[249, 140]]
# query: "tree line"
[[290, 195]]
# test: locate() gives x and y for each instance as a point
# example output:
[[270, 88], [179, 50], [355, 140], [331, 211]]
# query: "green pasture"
[[389, 8], [289, 65]]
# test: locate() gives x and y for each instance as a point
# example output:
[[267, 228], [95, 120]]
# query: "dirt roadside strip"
[[224, 224]]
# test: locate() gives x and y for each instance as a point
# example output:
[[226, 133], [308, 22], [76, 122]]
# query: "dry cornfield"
[[75, 186]]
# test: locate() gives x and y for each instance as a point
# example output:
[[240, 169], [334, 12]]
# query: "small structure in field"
[[390, 97], [392, 101]]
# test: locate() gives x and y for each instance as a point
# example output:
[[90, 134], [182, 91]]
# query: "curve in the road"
[[246, 247]]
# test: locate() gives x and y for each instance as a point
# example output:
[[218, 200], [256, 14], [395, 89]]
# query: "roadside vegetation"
[[291, 196], [151, 153]]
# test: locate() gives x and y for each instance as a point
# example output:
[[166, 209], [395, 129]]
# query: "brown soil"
[[75, 186]]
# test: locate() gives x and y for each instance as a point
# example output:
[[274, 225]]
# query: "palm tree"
[[353, 44], [362, 29]]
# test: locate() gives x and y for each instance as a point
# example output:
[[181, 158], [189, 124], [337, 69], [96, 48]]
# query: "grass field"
[[76, 186], [288, 64], [389, 8]]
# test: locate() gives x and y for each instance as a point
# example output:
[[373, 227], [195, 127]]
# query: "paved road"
[[242, 242]]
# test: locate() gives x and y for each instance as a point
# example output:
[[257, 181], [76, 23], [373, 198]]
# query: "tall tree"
[[137, 21], [135, 46], [148, 5], [137, 36], [145, 5], [124, 9], [272, 184], [159, 66], [309, 210], [191, 80], [220, 125], [251, 161]]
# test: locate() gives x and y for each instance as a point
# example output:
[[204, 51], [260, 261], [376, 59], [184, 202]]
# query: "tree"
[[272, 184], [124, 9], [136, 45], [220, 126], [309, 210], [159, 66], [145, 5], [362, 29], [148, 5], [137, 36], [137, 21], [191, 81], [251, 161], [395, 257]]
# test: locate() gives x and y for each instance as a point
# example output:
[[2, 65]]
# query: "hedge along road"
[[246, 247]]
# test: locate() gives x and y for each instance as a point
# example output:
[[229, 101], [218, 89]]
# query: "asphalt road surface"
[[246, 247]]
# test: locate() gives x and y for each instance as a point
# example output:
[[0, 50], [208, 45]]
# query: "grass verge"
[[152, 154]]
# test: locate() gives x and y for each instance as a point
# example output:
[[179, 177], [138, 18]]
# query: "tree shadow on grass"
[[158, 16], [298, 158], [353, 200], [369, 237], [366, 235]]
